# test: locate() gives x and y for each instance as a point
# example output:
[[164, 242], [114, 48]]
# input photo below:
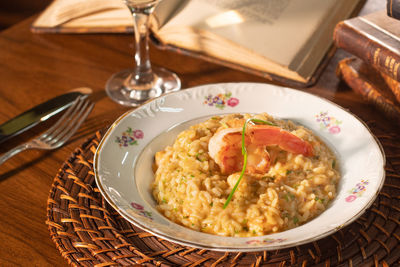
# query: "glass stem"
[[143, 73]]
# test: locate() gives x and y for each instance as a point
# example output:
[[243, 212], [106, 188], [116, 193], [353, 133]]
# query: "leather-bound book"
[[375, 38], [375, 87], [393, 85], [393, 8]]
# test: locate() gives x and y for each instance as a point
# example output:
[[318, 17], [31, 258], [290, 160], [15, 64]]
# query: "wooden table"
[[36, 67]]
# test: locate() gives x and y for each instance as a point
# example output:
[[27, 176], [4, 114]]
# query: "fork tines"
[[67, 125]]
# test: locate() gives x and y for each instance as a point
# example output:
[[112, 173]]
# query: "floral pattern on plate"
[[129, 137], [357, 191], [221, 100], [139, 208], [329, 123]]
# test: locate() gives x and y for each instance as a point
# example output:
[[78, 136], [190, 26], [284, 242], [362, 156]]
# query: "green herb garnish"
[[269, 178], [224, 125], [289, 196], [244, 153], [198, 157], [286, 197]]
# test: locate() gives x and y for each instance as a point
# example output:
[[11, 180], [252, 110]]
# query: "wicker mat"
[[88, 232]]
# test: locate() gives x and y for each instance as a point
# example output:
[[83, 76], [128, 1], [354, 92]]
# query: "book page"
[[275, 29], [109, 19], [266, 12], [100, 15], [64, 11]]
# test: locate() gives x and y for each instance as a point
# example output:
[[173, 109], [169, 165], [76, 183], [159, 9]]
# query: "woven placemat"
[[88, 232]]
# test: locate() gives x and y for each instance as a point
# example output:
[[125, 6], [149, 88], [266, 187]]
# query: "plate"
[[124, 158]]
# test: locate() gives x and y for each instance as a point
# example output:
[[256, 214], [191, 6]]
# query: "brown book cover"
[[370, 84], [375, 38], [393, 85], [393, 8]]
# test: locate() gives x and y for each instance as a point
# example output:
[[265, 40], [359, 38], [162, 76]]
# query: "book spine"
[[393, 85], [393, 8], [366, 89], [367, 49]]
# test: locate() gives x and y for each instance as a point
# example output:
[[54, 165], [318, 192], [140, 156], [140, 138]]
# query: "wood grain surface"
[[36, 67]]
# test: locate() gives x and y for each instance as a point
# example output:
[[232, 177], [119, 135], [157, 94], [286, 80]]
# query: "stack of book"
[[374, 70]]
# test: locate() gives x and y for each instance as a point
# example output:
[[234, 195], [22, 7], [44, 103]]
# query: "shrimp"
[[225, 147]]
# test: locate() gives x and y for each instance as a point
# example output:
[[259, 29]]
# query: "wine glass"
[[132, 87]]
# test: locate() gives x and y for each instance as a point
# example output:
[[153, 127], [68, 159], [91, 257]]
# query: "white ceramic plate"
[[124, 158]]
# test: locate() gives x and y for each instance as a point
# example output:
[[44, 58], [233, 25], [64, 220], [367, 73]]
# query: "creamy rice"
[[190, 189]]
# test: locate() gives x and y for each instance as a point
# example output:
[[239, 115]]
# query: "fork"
[[60, 132]]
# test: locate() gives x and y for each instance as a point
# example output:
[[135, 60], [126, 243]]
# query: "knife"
[[40, 113]]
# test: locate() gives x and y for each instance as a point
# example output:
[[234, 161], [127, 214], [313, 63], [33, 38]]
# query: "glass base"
[[121, 91]]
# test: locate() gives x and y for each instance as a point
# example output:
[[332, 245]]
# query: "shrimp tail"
[[271, 135]]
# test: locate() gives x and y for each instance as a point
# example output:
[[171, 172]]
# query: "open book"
[[283, 40]]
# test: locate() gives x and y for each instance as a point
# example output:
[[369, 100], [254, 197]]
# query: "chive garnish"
[[198, 157], [244, 153], [286, 197]]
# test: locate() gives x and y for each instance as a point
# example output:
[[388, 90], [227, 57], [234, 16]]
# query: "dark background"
[[13, 11]]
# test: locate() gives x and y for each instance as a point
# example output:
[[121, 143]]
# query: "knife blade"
[[40, 113]]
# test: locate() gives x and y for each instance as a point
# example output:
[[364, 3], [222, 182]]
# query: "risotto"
[[191, 189]]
